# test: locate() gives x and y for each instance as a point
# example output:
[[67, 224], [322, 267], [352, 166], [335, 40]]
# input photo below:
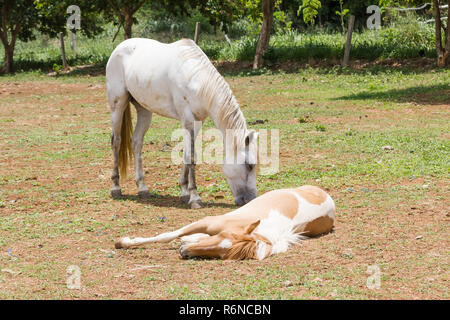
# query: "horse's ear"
[[252, 227], [251, 136]]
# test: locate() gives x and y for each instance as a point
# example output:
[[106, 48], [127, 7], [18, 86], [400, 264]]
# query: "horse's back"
[[152, 72]]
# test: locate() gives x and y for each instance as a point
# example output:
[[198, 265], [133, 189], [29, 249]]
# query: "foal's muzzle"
[[183, 252]]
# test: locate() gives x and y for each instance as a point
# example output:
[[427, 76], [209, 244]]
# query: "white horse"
[[178, 81], [266, 225]]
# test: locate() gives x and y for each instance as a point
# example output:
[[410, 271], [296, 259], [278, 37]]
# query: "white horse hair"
[[178, 81]]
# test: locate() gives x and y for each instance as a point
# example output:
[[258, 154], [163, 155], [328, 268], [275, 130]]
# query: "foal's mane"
[[214, 90], [243, 249]]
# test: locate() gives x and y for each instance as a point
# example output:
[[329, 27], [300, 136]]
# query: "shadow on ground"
[[167, 201], [434, 94]]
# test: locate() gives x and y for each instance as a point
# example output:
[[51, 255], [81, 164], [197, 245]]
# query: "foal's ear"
[[251, 136], [252, 227]]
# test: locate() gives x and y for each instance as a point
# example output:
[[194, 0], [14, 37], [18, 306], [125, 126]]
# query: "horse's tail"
[[125, 151]]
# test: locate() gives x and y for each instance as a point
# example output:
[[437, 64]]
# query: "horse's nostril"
[[239, 201], [249, 198]]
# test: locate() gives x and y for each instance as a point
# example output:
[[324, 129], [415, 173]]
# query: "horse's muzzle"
[[244, 199], [183, 252]]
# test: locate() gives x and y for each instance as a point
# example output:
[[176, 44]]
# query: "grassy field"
[[392, 203]]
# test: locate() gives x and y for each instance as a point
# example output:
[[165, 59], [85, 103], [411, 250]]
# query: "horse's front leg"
[[187, 180], [144, 118], [184, 181]]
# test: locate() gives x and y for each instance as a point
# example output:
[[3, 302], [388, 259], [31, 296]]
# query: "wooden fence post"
[[63, 51], [348, 44], [197, 31]]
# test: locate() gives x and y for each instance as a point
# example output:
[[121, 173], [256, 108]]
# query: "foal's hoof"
[[118, 245], [116, 193], [121, 243], [144, 194], [196, 204]]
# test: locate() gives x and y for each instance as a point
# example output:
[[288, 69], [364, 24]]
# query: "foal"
[[266, 225]]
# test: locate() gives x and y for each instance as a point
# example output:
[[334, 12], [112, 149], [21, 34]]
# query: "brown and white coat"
[[267, 225]]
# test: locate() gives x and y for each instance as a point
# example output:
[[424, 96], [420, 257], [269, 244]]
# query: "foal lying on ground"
[[266, 225]]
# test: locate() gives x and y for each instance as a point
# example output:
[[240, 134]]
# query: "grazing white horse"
[[266, 225], [178, 81]]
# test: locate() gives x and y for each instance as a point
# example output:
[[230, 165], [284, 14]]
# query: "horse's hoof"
[[196, 205], [144, 194], [185, 199], [116, 193]]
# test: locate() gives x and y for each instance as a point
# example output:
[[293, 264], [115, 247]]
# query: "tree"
[[221, 13], [53, 16], [310, 9], [268, 7], [18, 18], [124, 11], [342, 13], [442, 49]]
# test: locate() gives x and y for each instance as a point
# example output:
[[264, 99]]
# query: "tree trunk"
[[447, 37], [8, 62], [9, 49], [442, 50], [127, 25], [268, 7]]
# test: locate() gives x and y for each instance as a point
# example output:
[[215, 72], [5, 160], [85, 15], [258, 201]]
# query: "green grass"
[[55, 208]]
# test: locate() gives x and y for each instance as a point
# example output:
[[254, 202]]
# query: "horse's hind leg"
[[118, 105], [199, 227], [144, 118]]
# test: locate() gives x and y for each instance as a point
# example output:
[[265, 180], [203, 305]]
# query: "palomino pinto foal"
[[266, 225]]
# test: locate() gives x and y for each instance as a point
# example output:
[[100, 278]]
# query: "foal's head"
[[241, 172], [230, 245]]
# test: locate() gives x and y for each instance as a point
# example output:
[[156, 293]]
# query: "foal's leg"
[[144, 118], [202, 226], [187, 179], [193, 238], [118, 105]]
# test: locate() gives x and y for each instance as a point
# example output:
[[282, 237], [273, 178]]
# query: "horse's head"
[[230, 245], [241, 172]]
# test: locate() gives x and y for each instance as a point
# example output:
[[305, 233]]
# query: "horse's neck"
[[231, 124]]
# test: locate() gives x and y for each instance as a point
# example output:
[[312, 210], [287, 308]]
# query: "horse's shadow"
[[168, 201]]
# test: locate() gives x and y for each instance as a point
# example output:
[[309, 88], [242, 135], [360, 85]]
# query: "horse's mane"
[[214, 90]]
